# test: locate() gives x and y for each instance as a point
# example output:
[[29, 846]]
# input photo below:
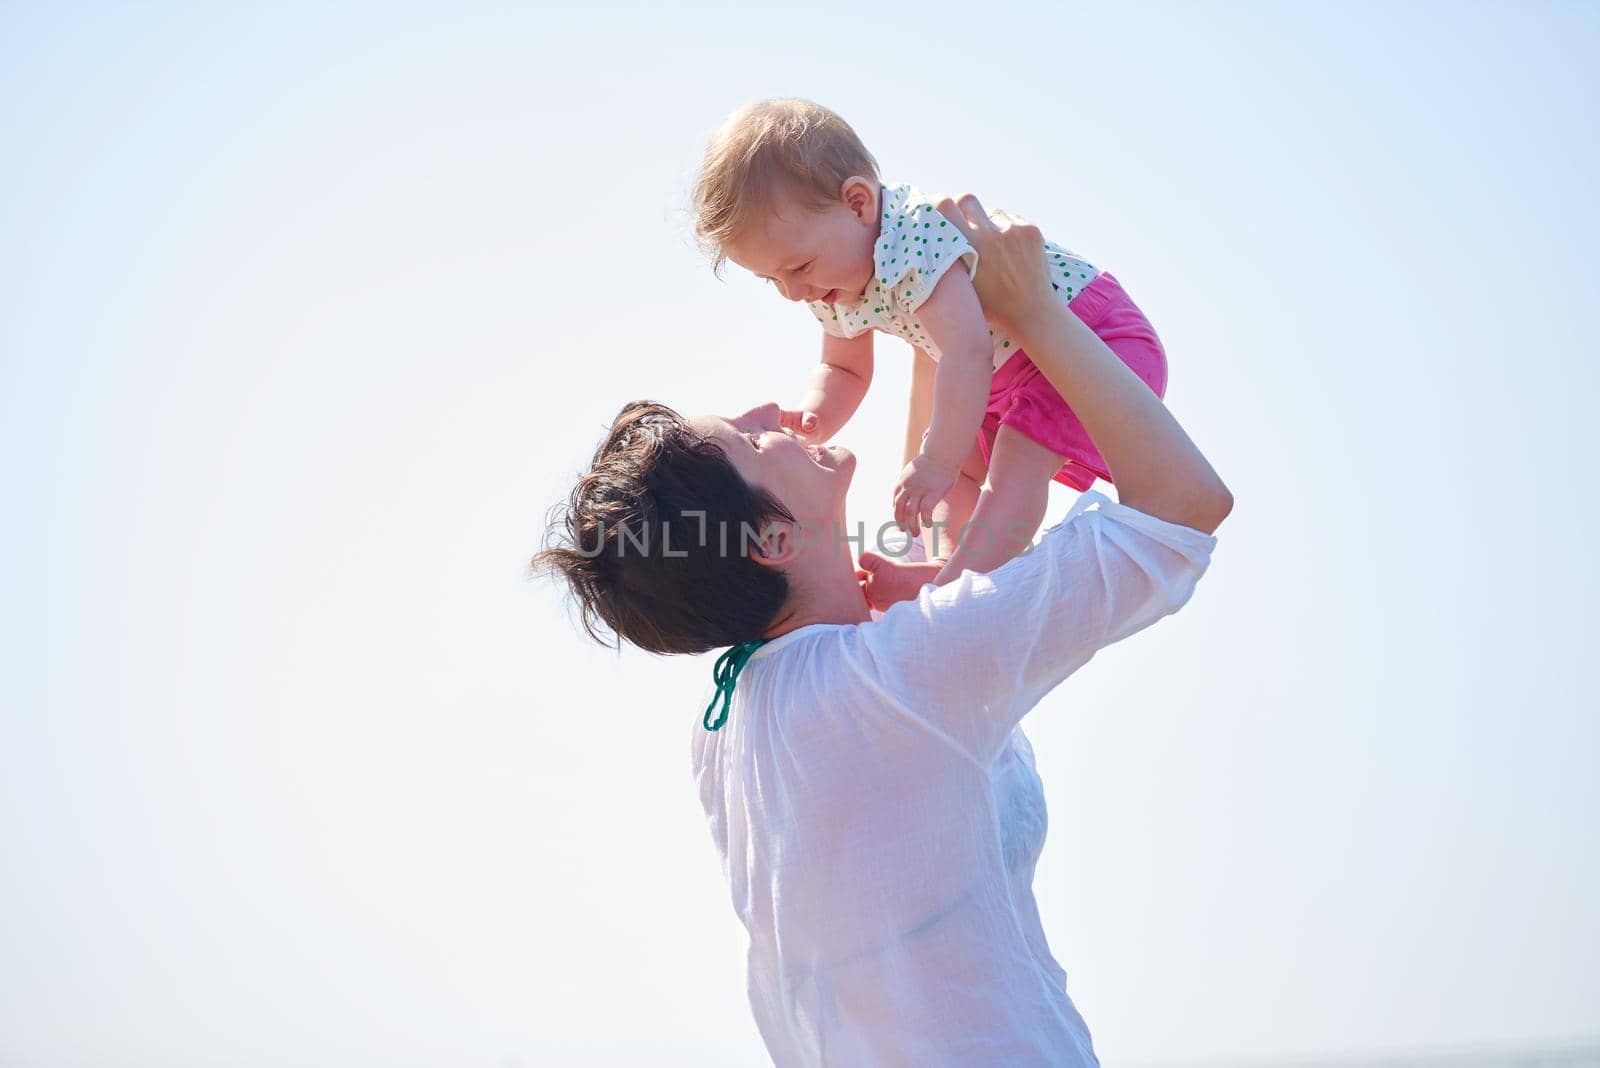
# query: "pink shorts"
[[1022, 398]]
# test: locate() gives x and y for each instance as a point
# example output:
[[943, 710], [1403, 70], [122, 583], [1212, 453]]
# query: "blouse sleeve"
[[926, 247], [828, 318], [970, 658]]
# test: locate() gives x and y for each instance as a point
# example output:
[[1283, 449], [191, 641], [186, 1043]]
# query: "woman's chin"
[[844, 469], [843, 461]]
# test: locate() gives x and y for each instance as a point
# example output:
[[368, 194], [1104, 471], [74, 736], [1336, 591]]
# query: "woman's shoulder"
[[834, 692]]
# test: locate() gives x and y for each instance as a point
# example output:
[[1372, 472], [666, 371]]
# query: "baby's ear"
[[861, 197]]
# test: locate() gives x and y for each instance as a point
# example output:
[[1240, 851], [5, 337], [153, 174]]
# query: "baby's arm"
[[953, 319], [919, 409], [953, 512], [835, 389]]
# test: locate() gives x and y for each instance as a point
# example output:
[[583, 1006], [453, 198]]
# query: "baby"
[[788, 191]]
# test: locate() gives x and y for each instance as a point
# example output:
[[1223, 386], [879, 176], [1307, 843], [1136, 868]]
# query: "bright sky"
[[308, 318]]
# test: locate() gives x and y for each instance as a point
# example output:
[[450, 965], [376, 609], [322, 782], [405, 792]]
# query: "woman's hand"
[[1011, 280], [1155, 466]]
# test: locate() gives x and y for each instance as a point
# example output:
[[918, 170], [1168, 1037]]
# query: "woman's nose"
[[761, 417]]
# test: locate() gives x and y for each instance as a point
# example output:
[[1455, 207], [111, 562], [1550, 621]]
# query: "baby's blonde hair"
[[772, 146]]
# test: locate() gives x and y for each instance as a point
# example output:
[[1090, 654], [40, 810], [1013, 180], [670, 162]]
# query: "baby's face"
[[809, 253]]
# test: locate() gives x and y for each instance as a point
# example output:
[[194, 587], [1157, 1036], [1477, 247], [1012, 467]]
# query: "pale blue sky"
[[308, 317]]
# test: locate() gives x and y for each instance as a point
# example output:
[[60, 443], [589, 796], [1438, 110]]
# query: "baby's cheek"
[[864, 272]]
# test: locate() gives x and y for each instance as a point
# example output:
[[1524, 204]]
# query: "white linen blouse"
[[878, 814]]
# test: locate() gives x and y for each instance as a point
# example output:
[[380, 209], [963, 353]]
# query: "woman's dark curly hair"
[[638, 555]]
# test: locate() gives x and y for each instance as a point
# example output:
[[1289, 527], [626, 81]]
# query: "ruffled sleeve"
[[828, 317], [916, 247]]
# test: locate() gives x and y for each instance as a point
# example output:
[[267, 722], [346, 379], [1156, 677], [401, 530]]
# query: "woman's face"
[[810, 480]]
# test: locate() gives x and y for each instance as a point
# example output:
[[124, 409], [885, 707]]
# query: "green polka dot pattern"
[[915, 246]]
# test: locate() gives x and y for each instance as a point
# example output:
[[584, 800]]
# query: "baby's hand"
[[801, 422], [922, 484]]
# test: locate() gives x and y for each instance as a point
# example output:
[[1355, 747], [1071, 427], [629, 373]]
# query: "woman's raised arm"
[[1155, 467]]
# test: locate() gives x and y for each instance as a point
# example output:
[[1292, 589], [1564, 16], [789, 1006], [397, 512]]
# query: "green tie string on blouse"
[[725, 675]]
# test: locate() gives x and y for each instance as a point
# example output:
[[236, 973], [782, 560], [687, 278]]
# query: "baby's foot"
[[888, 581]]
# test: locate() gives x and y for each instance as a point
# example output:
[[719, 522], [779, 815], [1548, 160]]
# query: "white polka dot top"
[[916, 245]]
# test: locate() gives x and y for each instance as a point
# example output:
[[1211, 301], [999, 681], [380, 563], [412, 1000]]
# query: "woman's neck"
[[822, 589]]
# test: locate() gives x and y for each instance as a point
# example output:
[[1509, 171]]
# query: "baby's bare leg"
[[1010, 507], [952, 513]]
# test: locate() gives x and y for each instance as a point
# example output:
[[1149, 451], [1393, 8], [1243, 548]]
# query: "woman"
[[874, 802]]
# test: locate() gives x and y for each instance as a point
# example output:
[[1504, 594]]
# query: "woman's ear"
[[861, 197], [777, 546]]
